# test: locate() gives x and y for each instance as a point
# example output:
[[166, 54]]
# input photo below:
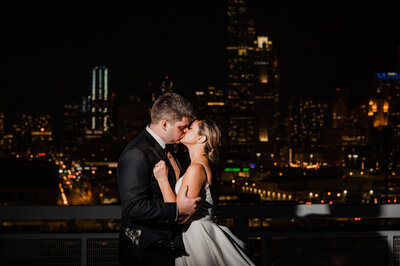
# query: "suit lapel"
[[159, 153]]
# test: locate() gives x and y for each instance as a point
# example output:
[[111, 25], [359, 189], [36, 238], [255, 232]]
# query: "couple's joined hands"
[[186, 206]]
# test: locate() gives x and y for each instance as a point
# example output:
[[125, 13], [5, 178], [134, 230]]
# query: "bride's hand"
[[161, 171]]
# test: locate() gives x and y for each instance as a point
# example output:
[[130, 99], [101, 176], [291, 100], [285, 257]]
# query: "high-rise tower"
[[240, 95], [385, 112], [266, 90], [98, 105]]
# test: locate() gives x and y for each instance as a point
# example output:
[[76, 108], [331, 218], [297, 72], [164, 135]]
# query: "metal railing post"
[[84, 250], [391, 252]]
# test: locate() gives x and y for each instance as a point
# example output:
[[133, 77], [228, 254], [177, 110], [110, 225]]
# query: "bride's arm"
[[161, 174], [192, 182], [194, 179]]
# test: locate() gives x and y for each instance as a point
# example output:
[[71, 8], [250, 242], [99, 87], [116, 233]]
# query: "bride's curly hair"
[[213, 134]]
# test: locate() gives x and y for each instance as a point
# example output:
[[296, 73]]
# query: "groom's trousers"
[[130, 254]]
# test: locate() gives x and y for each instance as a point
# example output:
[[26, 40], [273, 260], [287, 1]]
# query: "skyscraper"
[[266, 90], [347, 139], [308, 122], [74, 121], [210, 102], [387, 109], [99, 104], [240, 94]]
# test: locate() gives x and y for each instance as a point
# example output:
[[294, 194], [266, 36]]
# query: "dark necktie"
[[169, 150]]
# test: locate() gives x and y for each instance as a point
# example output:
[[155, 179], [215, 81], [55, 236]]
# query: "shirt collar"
[[156, 137]]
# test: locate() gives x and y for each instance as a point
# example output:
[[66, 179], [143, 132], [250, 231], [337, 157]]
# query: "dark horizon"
[[51, 48]]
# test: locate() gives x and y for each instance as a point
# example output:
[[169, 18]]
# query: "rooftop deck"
[[318, 244]]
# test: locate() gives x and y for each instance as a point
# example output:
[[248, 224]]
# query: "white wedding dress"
[[208, 243]]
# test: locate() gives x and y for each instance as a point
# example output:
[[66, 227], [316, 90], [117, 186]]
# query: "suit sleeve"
[[134, 186]]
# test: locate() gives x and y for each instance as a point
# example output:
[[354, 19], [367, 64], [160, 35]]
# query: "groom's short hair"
[[171, 106]]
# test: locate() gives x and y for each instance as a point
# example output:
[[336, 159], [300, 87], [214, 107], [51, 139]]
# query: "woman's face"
[[191, 134]]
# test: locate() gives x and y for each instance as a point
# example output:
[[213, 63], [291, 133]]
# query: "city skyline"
[[307, 97], [51, 48]]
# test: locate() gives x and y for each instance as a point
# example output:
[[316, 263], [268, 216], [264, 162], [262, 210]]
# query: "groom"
[[149, 231]]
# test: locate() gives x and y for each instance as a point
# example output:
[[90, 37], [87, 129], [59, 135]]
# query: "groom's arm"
[[134, 186]]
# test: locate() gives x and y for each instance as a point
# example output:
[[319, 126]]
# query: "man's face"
[[176, 131]]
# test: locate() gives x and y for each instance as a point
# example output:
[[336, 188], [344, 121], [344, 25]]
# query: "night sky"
[[49, 48]]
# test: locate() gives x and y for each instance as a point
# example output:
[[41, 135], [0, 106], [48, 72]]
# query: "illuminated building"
[[385, 112], [32, 135], [166, 85], [240, 92], [378, 109], [389, 85], [308, 123], [347, 140], [266, 90], [38, 128], [211, 104], [7, 140], [74, 121], [99, 104]]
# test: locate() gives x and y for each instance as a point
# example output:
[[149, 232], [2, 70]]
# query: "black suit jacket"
[[141, 198]]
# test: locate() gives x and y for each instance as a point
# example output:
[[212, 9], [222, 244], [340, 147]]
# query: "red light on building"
[[41, 154]]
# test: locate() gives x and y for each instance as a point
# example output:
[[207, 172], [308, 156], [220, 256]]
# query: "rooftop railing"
[[319, 245]]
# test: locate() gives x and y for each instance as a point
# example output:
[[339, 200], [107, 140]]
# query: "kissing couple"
[[168, 214]]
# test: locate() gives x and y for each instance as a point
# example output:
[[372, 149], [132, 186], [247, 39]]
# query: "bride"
[[206, 242]]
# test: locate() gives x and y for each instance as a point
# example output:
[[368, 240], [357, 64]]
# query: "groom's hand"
[[187, 206]]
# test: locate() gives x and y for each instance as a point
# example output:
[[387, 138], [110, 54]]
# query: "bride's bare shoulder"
[[195, 167], [195, 170]]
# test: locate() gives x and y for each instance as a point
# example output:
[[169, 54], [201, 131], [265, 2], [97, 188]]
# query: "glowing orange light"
[[42, 129]]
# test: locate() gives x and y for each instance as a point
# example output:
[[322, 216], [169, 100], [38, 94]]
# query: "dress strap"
[[205, 170]]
